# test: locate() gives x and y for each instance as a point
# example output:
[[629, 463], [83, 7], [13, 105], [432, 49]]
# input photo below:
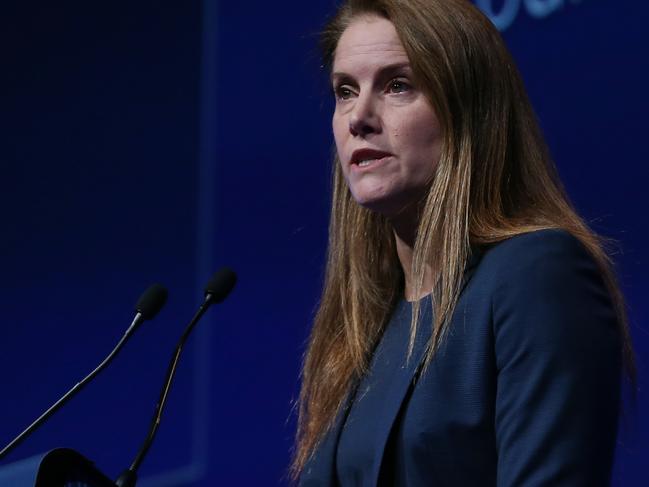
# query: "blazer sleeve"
[[558, 362]]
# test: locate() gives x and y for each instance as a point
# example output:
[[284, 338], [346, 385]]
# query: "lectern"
[[59, 468]]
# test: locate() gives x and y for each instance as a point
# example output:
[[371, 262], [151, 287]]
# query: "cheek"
[[424, 127], [341, 135], [339, 130], [423, 135], [420, 141]]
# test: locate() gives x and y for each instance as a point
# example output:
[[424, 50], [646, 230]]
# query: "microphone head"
[[151, 301], [220, 285]]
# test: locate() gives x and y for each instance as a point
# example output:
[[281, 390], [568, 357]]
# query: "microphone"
[[149, 304], [217, 289], [220, 285]]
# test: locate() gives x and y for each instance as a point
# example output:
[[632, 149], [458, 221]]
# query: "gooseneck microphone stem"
[[217, 289], [171, 371], [149, 304], [139, 318]]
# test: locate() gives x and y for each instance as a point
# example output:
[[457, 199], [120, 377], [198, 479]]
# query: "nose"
[[364, 119]]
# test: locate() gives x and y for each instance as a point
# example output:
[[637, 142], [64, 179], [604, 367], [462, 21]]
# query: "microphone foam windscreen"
[[221, 284], [151, 301]]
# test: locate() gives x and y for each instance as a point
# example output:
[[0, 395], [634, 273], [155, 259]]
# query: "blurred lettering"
[[504, 13]]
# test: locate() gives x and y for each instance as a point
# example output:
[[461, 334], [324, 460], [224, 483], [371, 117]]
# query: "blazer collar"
[[320, 470], [407, 376]]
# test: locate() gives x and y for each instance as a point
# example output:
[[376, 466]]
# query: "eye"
[[343, 92], [398, 85]]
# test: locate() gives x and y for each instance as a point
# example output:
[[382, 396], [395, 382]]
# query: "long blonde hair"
[[495, 179]]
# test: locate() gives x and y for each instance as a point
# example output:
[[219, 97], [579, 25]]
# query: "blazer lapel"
[[408, 374], [320, 470], [405, 376]]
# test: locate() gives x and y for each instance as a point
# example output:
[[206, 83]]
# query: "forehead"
[[369, 42]]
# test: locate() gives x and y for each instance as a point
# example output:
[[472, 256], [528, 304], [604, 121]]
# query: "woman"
[[470, 330]]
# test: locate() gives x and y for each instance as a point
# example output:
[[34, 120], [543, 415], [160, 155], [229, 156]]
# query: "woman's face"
[[387, 134]]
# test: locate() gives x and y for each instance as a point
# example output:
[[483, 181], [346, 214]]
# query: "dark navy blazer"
[[523, 392]]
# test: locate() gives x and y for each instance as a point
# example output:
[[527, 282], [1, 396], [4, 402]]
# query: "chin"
[[389, 205], [385, 205]]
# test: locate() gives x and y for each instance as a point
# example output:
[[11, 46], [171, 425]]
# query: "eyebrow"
[[383, 71]]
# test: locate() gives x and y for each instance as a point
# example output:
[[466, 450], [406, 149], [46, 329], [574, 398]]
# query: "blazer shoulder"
[[550, 253], [546, 288], [552, 240]]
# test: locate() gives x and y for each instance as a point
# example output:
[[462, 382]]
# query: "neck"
[[405, 234]]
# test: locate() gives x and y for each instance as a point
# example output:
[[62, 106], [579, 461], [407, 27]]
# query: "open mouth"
[[367, 157], [366, 162]]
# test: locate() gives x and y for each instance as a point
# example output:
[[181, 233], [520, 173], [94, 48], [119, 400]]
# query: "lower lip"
[[373, 164]]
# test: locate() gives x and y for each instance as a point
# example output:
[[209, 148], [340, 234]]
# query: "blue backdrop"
[[157, 140]]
